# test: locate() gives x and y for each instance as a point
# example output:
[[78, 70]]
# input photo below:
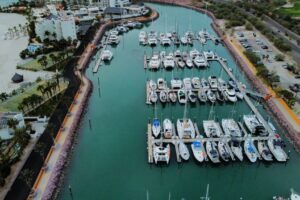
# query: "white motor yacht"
[[221, 85], [152, 85], [255, 126], [194, 53], [213, 82], [165, 41], [106, 55], [173, 97], [187, 84], [204, 84], [113, 39], [156, 127], [183, 40], [250, 149], [154, 62], [176, 83], [196, 82], [185, 128], [142, 37], [169, 62], [198, 150], [182, 96], [264, 150], [231, 128], [152, 41], [275, 146], [202, 95], [161, 154], [192, 96], [163, 96], [189, 63], [209, 55], [224, 150], [167, 128], [211, 150], [153, 97], [200, 61], [230, 95], [237, 149], [212, 128], [211, 96], [180, 62], [161, 84]]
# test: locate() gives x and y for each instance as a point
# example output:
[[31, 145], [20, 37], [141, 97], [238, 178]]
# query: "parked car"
[[264, 47], [297, 76]]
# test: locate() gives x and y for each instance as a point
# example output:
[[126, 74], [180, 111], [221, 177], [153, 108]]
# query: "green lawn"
[[12, 103], [34, 65], [295, 11]]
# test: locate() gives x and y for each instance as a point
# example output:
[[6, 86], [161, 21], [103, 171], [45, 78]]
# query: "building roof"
[[114, 11], [17, 78]]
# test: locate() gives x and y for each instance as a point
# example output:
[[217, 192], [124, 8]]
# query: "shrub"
[[279, 57]]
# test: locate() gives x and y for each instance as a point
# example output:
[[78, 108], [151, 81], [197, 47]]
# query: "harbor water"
[[110, 156]]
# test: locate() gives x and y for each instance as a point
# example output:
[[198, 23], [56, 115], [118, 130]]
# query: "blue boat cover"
[[197, 144], [156, 122]]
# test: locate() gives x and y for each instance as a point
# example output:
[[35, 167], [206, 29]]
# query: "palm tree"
[[41, 89], [47, 33], [40, 149], [53, 58], [43, 61], [21, 137], [3, 96], [12, 123], [26, 175], [21, 107]]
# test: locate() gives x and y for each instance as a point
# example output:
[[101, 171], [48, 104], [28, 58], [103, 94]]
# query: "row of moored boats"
[[190, 89], [231, 144], [190, 59], [154, 38]]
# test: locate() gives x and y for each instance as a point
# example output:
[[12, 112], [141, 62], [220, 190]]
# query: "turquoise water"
[[7, 2], [110, 159]]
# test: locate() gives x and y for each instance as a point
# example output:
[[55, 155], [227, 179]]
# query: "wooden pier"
[[150, 144], [99, 61]]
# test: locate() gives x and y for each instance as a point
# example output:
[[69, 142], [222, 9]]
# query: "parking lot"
[[259, 44]]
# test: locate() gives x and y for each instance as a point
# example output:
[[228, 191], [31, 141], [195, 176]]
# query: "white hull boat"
[[250, 150], [172, 97], [231, 129], [264, 151], [161, 154], [198, 151], [187, 83], [212, 128], [156, 127], [192, 96], [106, 55], [163, 96], [202, 96], [168, 128], [161, 84], [211, 150], [183, 151], [275, 146], [223, 151], [237, 149], [153, 97], [176, 83], [185, 128], [182, 96], [196, 83]]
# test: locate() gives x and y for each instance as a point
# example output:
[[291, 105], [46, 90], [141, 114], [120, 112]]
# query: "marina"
[[112, 135]]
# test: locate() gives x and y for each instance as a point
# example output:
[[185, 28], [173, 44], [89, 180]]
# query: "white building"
[[112, 3], [62, 25]]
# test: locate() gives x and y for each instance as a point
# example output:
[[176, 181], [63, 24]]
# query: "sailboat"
[[198, 150], [162, 154], [185, 127], [211, 149], [224, 151], [237, 149], [183, 151], [250, 149], [155, 124]]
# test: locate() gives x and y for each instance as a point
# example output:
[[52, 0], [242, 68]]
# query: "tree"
[[27, 176], [43, 61], [47, 34], [41, 89], [279, 57], [248, 26], [54, 35], [21, 137], [3, 96], [12, 123]]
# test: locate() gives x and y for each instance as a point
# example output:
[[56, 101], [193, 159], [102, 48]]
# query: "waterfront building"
[[59, 22], [5, 132]]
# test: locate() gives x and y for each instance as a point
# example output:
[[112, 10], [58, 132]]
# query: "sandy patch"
[[9, 54]]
